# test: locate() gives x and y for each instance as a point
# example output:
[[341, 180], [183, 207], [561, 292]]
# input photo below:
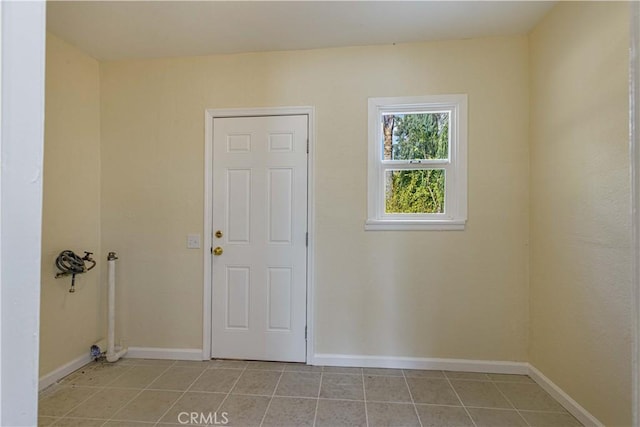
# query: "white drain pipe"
[[112, 354]]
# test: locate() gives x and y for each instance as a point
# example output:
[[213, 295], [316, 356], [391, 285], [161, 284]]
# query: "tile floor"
[[137, 392]]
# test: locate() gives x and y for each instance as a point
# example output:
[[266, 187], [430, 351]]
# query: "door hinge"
[[306, 240], [307, 145], [305, 332]]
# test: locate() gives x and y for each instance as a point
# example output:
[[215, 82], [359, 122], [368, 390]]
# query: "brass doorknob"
[[217, 251]]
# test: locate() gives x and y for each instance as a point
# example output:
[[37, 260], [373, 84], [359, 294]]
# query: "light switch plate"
[[193, 241]]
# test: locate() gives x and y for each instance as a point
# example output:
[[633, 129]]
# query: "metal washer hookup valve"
[[71, 264]]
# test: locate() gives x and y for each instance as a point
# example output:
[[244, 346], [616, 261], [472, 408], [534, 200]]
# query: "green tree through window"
[[415, 137]]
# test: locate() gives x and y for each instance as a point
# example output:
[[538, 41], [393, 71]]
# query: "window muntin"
[[417, 163]]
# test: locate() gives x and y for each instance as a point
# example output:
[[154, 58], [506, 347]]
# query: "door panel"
[[280, 204], [238, 205], [279, 285], [237, 297], [260, 206]]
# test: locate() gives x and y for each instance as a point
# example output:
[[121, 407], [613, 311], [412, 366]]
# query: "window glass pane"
[[415, 136], [414, 191]]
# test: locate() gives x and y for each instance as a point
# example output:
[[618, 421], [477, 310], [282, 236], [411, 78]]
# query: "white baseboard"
[[64, 370], [464, 365], [563, 398], [164, 353]]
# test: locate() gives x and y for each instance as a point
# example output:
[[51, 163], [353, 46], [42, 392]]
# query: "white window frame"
[[455, 205]]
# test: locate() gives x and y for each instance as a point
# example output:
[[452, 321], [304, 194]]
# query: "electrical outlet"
[[193, 241]]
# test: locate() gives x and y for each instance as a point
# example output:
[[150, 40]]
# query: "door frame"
[[209, 115], [22, 113]]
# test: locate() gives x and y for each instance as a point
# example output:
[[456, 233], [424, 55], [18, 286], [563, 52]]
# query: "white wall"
[[635, 190], [560, 93], [421, 294], [23, 44], [71, 322], [580, 206]]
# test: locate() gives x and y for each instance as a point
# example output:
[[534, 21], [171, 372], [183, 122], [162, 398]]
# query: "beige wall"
[[70, 323], [580, 223], [124, 149], [421, 294]]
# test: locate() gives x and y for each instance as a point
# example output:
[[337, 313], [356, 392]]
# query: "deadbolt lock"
[[217, 251], [218, 234]]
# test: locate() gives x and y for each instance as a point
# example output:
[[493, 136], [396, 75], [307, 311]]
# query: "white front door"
[[259, 226]]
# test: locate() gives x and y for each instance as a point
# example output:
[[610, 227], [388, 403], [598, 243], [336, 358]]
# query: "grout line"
[[394, 402], [129, 368], [547, 411], [463, 378], [315, 415], [336, 370], [377, 375], [364, 392], [235, 383], [459, 399], [342, 400], [265, 395], [55, 419], [505, 397], [448, 406], [511, 403], [149, 423], [181, 396], [139, 393], [83, 418], [271, 399], [341, 373], [80, 403], [415, 408], [232, 387], [279, 395], [98, 388]]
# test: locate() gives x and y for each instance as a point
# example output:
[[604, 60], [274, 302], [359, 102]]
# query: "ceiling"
[[112, 30]]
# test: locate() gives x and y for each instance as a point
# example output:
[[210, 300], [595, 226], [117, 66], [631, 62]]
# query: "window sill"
[[415, 225]]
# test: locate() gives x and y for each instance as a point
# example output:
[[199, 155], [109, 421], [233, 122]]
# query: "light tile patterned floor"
[[137, 392]]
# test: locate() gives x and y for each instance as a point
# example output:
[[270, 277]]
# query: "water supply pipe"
[[112, 354]]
